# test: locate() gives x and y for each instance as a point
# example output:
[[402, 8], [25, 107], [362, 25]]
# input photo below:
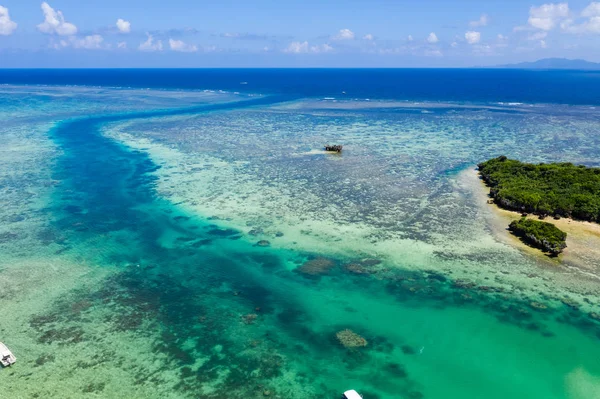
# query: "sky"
[[294, 33]]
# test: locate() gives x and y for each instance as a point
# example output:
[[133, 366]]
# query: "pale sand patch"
[[582, 385]]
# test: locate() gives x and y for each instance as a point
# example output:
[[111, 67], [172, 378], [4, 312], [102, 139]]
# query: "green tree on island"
[[558, 189]]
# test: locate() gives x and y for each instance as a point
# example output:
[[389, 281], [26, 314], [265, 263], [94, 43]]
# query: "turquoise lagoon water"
[[133, 260]]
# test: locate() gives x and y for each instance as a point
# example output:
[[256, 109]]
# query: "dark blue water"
[[470, 85]]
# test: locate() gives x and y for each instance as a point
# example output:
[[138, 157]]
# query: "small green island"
[[542, 235], [554, 189]]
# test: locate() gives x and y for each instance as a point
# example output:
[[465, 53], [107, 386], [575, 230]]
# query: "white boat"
[[351, 394], [6, 356]]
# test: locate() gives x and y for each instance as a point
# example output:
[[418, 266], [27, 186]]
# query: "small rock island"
[[554, 189], [542, 235]]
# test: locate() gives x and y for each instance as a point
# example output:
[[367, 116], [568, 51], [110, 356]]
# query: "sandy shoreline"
[[583, 238]]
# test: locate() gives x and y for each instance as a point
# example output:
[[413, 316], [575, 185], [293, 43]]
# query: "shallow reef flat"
[[395, 193], [213, 252]]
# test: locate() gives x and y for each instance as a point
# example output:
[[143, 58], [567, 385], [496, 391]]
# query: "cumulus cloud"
[[410, 38], [91, 42], [432, 38], [297, 48], [538, 35], [593, 10], [323, 48], [473, 37], [546, 16], [344, 34], [178, 45], [591, 25], [482, 21], [7, 26], [123, 26], [304, 47], [369, 37], [54, 22], [150, 44]]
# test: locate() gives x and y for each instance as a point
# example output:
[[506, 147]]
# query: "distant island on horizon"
[[553, 63]]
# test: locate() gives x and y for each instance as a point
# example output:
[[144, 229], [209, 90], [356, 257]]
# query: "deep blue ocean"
[[468, 85]]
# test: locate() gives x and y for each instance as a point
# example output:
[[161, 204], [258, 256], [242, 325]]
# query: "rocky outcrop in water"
[[316, 267], [350, 339]]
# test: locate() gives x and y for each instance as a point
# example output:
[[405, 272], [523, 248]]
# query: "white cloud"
[[123, 26], [432, 38], [92, 42], [473, 37], [297, 48], [410, 38], [178, 45], [7, 26], [150, 44], [482, 21], [122, 45], [454, 44], [543, 44], [538, 35], [502, 37], [592, 25], [344, 34], [546, 16], [593, 10], [54, 22], [323, 48], [368, 36], [304, 47], [567, 25]]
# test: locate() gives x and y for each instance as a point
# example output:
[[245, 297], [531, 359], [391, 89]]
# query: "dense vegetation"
[[558, 189], [543, 235]]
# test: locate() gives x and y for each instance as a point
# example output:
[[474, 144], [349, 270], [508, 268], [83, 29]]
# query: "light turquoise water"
[[123, 279]]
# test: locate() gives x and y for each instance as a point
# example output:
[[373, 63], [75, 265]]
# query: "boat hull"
[[6, 357]]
